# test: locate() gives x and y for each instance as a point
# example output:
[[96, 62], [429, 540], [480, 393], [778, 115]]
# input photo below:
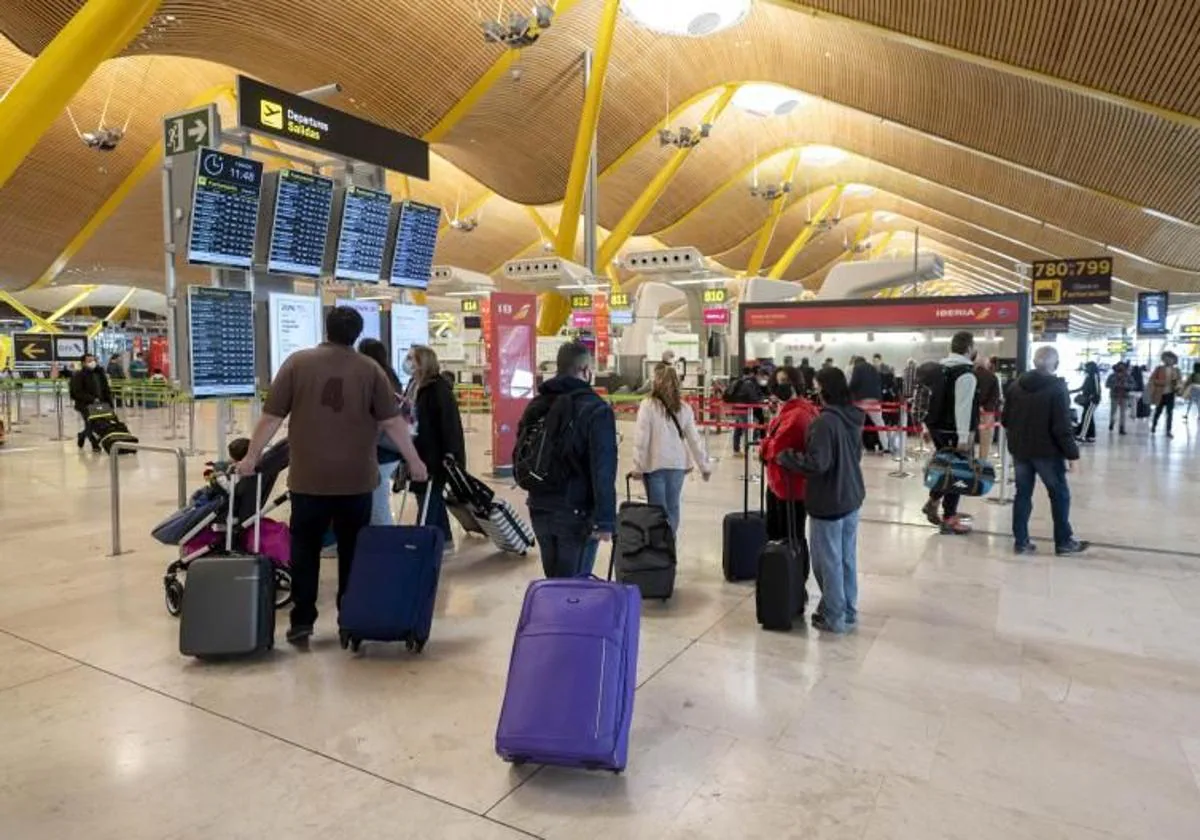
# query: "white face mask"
[[90, 365]]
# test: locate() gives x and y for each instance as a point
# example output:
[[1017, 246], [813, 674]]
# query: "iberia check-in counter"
[[897, 329]]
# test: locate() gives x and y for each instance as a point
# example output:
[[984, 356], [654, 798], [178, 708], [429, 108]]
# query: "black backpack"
[[543, 460], [940, 381]]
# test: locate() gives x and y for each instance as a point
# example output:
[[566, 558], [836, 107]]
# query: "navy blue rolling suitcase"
[[393, 585]]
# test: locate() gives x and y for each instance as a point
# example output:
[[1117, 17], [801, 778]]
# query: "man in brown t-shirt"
[[338, 401]]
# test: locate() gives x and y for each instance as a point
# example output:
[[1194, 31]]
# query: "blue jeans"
[[665, 488], [565, 543], [437, 515], [381, 498], [833, 544], [1053, 472]]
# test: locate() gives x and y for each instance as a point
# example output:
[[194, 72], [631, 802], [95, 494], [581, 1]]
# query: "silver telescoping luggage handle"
[[233, 482], [423, 514]]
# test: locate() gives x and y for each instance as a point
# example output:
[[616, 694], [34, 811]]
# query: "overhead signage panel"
[[469, 306], [621, 317], [1052, 321], [1152, 313], [363, 236], [1120, 346], [716, 316], [618, 300], [714, 297], [188, 131], [581, 301], [224, 209], [1080, 280], [300, 227], [369, 311], [277, 112], [1001, 312], [221, 341], [37, 351], [416, 240]]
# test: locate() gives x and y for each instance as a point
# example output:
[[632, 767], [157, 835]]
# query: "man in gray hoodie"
[[834, 494]]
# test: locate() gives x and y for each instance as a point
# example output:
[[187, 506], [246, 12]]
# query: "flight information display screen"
[[363, 237], [221, 341], [416, 240], [224, 209], [300, 227]]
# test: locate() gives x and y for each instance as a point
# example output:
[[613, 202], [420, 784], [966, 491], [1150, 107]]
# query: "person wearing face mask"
[[385, 451], [89, 385], [439, 431], [1037, 416]]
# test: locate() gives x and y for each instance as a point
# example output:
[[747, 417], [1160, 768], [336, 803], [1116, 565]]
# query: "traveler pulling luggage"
[[477, 509], [744, 533], [571, 678], [643, 551], [229, 603], [782, 575], [393, 584]]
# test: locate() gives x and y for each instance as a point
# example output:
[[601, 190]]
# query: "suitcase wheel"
[[173, 594], [283, 588], [518, 761], [413, 646], [348, 641]]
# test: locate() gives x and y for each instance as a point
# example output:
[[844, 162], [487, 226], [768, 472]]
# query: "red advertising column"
[[603, 338], [512, 340]]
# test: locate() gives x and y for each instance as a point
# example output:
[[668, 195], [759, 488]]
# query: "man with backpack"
[[749, 389], [952, 420], [566, 458]]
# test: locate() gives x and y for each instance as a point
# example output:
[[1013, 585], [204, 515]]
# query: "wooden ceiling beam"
[[1024, 73]]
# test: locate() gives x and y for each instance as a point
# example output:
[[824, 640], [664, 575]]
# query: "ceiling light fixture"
[[767, 100], [690, 18], [858, 191], [821, 156]]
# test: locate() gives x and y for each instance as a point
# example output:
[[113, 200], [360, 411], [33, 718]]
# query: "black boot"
[[79, 438]]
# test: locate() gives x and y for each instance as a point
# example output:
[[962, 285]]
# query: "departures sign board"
[[225, 199], [416, 240], [363, 234], [300, 225], [221, 342]]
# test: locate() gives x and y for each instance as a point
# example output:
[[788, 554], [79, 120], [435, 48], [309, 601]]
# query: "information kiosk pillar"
[[513, 361]]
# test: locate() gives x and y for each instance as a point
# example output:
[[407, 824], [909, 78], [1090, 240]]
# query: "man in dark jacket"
[[866, 388], [89, 385], [1037, 415], [834, 493], [573, 506]]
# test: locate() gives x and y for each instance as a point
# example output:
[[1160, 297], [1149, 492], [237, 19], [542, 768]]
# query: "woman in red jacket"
[[787, 430]]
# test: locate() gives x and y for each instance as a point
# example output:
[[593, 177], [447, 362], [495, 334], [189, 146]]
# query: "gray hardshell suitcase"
[[229, 601]]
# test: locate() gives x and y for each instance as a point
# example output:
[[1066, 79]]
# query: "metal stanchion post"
[[114, 481], [1003, 498], [747, 441], [37, 400], [192, 427], [20, 392], [58, 410], [901, 472]]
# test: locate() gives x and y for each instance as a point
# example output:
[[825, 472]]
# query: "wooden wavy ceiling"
[[928, 126]]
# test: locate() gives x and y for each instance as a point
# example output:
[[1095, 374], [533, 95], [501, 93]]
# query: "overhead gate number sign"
[[188, 131], [1074, 281]]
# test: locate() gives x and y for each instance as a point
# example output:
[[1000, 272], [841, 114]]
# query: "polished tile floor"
[[983, 697]]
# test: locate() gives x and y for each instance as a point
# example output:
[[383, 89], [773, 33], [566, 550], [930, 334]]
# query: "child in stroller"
[[199, 529]]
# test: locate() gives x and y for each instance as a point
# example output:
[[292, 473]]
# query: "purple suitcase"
[[569, 698]]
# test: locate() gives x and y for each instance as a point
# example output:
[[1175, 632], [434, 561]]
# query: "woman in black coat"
[[438, 427]]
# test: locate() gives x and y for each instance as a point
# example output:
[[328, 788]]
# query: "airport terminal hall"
[[580, 419]]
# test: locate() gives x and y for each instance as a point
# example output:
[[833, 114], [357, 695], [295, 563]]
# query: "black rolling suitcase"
[[744, 532], [229, 601], [643, 551], [103, 423], [779, 594]]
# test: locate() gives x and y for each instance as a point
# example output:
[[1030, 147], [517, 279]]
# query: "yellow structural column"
[[863, 231], [641, 207], [99, 30], [801, 240], [568, 224], [553, 311], [69, 306], [881, 245], [768, 229], [27, 312], [113, 314]]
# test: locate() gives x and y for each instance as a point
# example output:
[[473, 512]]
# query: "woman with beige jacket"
[[1165, 383], [666, 444]]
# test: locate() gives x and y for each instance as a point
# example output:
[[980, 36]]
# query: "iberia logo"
[[522, 313], [982, 314]]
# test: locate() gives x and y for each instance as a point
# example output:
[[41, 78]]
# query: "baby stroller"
[[199, 529]]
